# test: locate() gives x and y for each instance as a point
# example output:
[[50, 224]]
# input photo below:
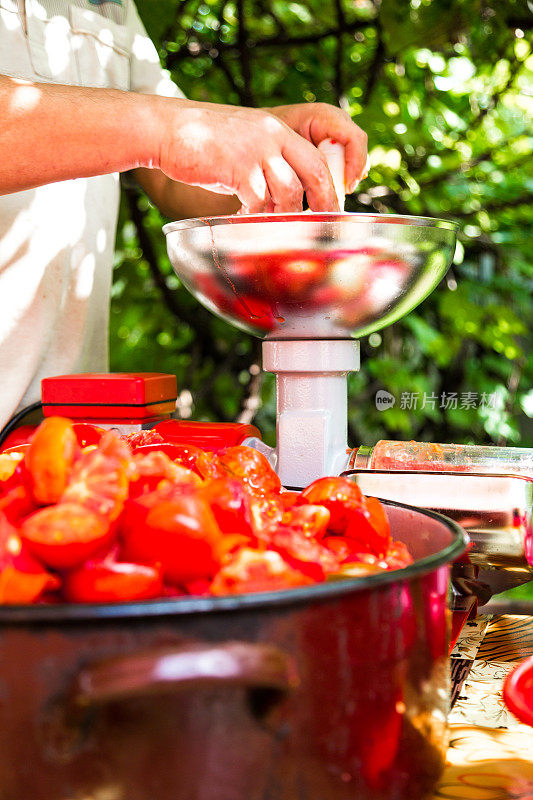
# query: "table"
[[491, 753]]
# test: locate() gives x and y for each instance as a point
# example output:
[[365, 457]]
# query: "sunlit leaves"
[[443, 89]]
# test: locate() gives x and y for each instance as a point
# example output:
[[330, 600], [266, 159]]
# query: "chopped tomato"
[[50, 457], [8, 464], [241, 463], [17, 503], [183, 454], [230, 504], [207, 465], [257, 571], [180, 533], [398, 556], [87, 434], [22, 578], [339, 546], [368, 528], [150, 468], [199, 587], [303, 553], [143, 438], [311, 521], [65, 535], [100, 478], [339, 495], [266, 512], [289, 499], [109, 581]]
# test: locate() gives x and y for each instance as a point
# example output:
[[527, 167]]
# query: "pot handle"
[[183, 667]]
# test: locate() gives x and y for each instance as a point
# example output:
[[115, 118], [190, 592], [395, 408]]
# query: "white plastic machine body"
[[312, 406]]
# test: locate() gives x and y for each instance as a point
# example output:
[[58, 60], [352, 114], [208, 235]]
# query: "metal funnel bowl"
[[311, 276]]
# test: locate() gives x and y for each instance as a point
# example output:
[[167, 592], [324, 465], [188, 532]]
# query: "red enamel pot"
[[329, 692]]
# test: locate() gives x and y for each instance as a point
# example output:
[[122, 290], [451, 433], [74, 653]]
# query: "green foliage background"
[[444, 90]]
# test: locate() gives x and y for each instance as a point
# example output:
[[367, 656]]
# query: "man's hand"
[[250, 153], [318, 121]]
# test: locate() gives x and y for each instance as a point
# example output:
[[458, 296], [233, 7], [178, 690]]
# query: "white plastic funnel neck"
[[312, 406]]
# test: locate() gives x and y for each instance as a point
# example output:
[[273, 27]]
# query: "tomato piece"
[[87, 434], [109, 581], [22, 578], [199, 587], [17, 503], [8, 464], [180, 533], [339, 495], [266, 513], [398, 556], [257, 571], [143, 438], [65, 535], [303, 553], [50, 457], [242, 463], [183, 454], [230, 505], [207, 465], [368, 528], [100, 478], [289, 499], [292, 278], [339, 546], [311, 521], [152, 467]]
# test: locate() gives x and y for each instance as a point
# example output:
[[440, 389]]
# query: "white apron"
[[57, 241]]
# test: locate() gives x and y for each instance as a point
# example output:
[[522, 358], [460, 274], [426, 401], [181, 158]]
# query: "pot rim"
[[181, 606]]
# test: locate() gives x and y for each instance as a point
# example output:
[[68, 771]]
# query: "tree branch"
[[244, 54], [280, 40]]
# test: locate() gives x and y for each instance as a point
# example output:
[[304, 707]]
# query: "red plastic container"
[[518, 691]]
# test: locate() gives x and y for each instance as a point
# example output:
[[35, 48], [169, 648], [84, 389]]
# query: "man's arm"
[[52, 133]]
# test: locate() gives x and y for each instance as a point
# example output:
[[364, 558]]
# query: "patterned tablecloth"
[[491, 752]]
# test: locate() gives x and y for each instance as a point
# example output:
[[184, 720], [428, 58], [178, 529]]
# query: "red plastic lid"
[[207, 435], [110, 396], [518, 691]]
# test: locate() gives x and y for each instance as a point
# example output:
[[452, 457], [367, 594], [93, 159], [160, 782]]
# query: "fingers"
[[355, 149], [332, 122], [253, 192], [311, 168], [286, 190]]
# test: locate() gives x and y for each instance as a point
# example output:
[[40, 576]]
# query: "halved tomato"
[[22, 578], [180, 533], [244, 464], [257, 571], [17, 503], [339, 495], [230, 504], [183, 454], [143, 438], [50, 457], [109, 581], [304, 553], [368, 529], [87, 434], [66, 535], [100, 478], [152, 467]]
